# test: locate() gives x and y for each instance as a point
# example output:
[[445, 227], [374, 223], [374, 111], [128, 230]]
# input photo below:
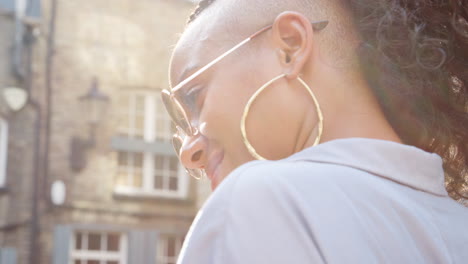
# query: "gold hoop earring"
[[247, 143]]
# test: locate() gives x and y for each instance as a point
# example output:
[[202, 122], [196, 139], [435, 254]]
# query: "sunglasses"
[[176, 109]]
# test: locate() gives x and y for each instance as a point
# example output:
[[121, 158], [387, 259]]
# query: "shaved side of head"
[[243, 17]]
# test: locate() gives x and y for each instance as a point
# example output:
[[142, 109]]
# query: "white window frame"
[[130, 112], [130, 169], [3, 150], [150, 136], [162, 245], [103, 256]]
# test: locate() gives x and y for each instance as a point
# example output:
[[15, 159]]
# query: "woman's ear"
[[292, 37]]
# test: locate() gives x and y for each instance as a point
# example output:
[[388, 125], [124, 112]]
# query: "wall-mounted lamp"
[[94, 102]]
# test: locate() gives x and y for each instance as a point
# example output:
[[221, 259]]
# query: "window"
[[166, 174], [7, 5], [8, 255], [132, 115], [169, 246], [130, 169], [142, 115], [89, 247], [164, 127], [3, 150], [146, 126]]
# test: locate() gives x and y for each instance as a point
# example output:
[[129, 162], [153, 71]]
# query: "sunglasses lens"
[[176, 112], [177, 144], [196, 173]]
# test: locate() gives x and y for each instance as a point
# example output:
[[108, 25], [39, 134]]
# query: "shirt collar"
[[401, 163]]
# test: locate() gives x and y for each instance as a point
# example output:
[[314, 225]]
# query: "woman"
[[352, 109]]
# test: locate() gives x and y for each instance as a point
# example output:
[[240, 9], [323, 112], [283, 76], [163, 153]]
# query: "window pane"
[[173, 183], [124, 125], [158, 162], [113, 242], [140, 104], [103, 248], [161, 129], [132, 114], [122, 178], [130, 171], [138, 160], [139, 125], [139, 116], [78, 238], [163, 123], [168, 250], [122, 158], [171, 247], [174, 163], [94, 241], [124, 115], [158, 182], [137, 178]]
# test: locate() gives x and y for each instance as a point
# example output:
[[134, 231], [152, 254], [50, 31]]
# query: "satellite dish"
[[58, 192], [15, 97]]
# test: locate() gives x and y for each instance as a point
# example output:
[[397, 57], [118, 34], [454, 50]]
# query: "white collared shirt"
[[344, 201]]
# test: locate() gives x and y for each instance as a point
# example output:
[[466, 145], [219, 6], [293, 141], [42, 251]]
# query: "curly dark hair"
[[414, 55]]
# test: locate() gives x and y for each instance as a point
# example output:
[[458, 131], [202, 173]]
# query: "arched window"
[[3, 150]]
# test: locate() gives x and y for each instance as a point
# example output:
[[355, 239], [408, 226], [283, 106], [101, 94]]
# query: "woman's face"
[[219, 95]]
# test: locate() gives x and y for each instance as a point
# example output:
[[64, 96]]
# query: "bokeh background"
[[87, 171]]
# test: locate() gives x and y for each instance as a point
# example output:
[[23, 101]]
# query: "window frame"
[[148, 182], [103, 256], [7, 6], [3, 151], [150, 119], [162, 246]]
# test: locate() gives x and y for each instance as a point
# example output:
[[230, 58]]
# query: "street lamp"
[[94, 102]]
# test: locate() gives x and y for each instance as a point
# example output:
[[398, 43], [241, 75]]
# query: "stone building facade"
[[127, 200]]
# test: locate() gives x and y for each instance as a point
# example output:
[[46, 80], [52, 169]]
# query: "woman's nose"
[[193, 152]]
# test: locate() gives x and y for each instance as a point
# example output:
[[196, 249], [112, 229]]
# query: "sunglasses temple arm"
[[209, 65], [316, 26]]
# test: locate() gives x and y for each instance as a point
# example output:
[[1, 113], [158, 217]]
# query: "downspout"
[[34, 250], [18, 48], [41, 175], [48, 97], [34, 223]]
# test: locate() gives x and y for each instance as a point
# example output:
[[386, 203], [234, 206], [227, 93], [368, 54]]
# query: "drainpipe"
[[22, 69], [34, 227], [35, 256], [28, 39], [18, 49], [48, 97]]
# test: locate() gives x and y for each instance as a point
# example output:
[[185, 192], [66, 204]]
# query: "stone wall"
[[15, 196], [126, 44]]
